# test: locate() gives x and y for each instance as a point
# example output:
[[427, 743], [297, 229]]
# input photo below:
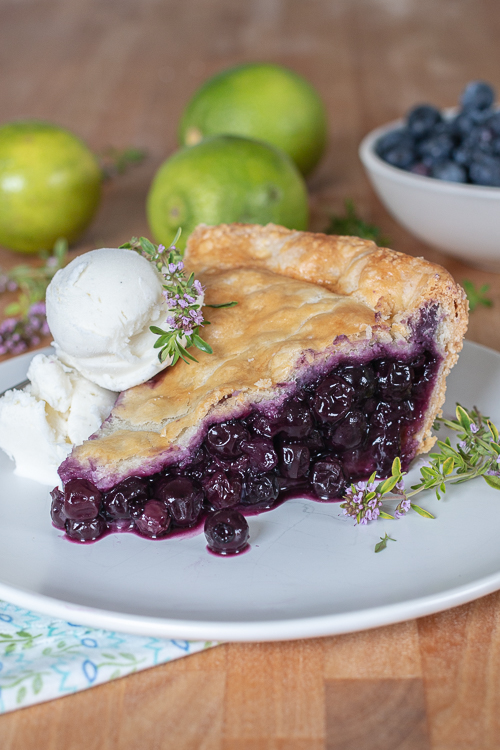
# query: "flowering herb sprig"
[[184, 297], [477, 454], [27, 322]]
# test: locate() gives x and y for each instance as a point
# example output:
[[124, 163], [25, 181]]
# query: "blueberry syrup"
[[348, 423]]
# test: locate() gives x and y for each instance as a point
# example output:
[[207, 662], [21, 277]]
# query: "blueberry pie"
[[331, 365]]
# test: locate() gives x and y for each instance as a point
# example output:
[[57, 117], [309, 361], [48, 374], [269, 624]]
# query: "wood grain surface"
[[118, 73]]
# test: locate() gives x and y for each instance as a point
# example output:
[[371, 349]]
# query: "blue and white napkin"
[[42, 658]]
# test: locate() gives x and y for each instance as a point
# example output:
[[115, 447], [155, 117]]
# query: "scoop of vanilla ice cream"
[[40, 424], [99, 310]]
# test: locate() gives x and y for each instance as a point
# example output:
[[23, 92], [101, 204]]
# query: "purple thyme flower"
[[357, 504], [462, 445], [473, 428], [18, 334], [197, 286]]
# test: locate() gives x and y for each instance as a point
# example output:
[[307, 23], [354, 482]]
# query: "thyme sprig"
[[184, 297], [27, 322], [476, 296], [31, 282], [352, 224], [477, 454]]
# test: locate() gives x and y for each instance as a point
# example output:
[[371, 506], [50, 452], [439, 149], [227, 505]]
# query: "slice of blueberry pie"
[[332, 364]]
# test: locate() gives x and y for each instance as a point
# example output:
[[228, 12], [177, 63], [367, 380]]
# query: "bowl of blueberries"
[[438, 173]]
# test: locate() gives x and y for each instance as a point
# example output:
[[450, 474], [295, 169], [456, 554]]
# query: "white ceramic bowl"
[[462, 220]]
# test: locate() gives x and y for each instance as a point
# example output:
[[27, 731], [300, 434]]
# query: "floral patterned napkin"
[[42, 658]]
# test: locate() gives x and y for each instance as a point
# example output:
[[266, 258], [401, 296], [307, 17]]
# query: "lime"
[[264, 101], [50, 185], [223, 179]]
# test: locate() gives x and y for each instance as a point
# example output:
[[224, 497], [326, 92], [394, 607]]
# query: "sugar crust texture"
[[305, 301]]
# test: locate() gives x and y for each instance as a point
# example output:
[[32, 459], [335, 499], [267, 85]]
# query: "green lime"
[[50, 185], [225, 179], [263, 101]]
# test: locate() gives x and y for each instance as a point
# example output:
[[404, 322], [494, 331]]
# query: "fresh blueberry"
[[435, 148], [449, 171], [400, 138], [182, 498], [85, 531], [420, 168], [226, 532], [222, 491], [400, 156], [485, 170], [463, 155], [154, 521], [82, 500], [328, 479], [477, 95], [422, 119]]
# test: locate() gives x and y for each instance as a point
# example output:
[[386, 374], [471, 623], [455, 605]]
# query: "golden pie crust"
[[304, 300]]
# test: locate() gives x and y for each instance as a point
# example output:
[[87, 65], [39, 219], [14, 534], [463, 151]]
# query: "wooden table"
[[120, 73]]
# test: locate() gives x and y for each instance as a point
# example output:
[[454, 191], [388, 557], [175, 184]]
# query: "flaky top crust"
[[303, 300]]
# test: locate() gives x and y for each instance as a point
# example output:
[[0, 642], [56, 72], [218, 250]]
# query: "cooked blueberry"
[[261, 454], [118, 502], [226, 532], [57, 508], [239, 464], [82, 500], [262, 491], [85, 531], [225, 439], [449, 171], [394, 378], [260, 425], [358, 463], [333, 399], [350, 432], [154, 521], [328, 479], [295, 420], [183, 499], [422, 119], [386, 445], [222, 491], [477, 95], [361, 377], [294, 459], [435, 148], [315, 441], [393, 139]]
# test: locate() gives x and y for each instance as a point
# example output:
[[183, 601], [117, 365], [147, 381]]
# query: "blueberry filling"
[[351, 421]]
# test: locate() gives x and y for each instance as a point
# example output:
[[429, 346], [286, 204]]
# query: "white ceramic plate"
[[309, 571]]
